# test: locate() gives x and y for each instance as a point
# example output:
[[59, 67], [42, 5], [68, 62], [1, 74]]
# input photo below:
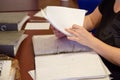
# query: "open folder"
[[80, 63], [50, 44]]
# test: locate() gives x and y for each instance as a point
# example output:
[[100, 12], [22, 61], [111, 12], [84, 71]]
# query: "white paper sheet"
[[39, 14], [32, 74], [63, 17], [82, 65], [5, 69], [37, 26]]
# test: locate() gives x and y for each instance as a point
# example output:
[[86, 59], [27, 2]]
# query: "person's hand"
[[80, 35], [57, 33]]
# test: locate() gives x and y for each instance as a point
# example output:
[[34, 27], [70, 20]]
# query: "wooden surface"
[[69, 3], [18, 5], [25, 53]]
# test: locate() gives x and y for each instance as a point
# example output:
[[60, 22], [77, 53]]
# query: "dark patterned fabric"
[[109, 31]]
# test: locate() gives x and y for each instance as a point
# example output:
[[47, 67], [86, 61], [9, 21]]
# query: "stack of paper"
[[5, 68], [9, 68], [63, 17], [50, 44], [37, 26], [67, 64], [77, 66]]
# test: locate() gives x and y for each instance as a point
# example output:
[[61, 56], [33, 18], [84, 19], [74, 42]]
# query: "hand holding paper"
[[63, 17]]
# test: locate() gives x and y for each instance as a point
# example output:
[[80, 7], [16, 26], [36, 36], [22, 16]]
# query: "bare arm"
[[110, 53], [92, 19]]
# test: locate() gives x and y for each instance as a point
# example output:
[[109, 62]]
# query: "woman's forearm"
[[82, 36], [108, 52]]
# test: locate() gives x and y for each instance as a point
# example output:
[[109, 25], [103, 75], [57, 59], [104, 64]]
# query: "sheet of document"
[[37, 26], [5, 69], [84, 65], [39, 14], [63, 17], [32, 74]]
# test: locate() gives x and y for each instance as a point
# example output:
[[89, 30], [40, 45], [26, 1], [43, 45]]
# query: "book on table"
[[10, 41], [12, 21], [63, 17], [62, 59], [9, 68]]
